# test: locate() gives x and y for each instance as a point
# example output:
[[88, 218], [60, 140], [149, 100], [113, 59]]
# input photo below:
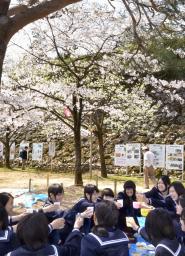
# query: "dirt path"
[[20, 180]]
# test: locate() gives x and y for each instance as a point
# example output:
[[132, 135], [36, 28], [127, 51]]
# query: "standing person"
[[148, 166], [24, 157]]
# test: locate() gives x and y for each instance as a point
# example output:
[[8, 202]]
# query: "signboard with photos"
[[37, 151], [175, 157], [120, 155]]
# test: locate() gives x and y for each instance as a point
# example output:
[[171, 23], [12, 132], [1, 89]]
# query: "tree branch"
[[36, 12]]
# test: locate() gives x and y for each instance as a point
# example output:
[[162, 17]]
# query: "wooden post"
[[127, 170], [115, 187], [47, 180], [51, 163], [29, 188], [97, 181]]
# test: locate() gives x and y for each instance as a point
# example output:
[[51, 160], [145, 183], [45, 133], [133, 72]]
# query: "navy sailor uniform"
[[7, 241], [168, 247], [70, 248], [116, 243]]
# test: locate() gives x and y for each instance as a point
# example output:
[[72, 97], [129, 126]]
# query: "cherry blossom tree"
[[16, 120], [21, 13]]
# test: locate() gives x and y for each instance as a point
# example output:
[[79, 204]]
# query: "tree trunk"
[[102, 153], [98, 119], [4, 25], [12, 19], [2, 56], [7, 152], [77, 138]]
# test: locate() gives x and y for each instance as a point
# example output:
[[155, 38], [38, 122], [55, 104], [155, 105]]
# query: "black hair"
[[107, 217], [166, 180], [32, 231], [159, 225], [179, 187], [3, 218], [4, 198], [129, 184], [181, 200], [55, 189], [107, 192], [90, 189]]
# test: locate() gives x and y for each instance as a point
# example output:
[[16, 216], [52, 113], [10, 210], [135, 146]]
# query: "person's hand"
[[78, 222], [118, 204], [131, 223], [88, 213], [51, 208], [58, 223], [140, 197], [19, 217], [145, 199]]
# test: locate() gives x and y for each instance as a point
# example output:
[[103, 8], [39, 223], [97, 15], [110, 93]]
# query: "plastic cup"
[[29, 210], [57, 203], [136, 205], [90, 208], [144, 212], [120, 201]]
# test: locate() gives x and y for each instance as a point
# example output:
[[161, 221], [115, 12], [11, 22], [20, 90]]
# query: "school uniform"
[[55, 214], [116, 243], [156, 198], [58, 236], [70, 248], [178, 231], [80, 207], [8, 241], [45, 250], [168, 247], [127, 211]]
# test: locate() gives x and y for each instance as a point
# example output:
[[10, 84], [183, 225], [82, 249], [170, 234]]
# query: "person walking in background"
[[24, 157], [148, 166]]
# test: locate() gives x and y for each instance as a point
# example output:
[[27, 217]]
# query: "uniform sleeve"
[[71, 246], [151, 193], [87, 247]]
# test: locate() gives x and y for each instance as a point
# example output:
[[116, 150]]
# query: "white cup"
[[90, 208], [57, 203], [120, 201], [30, 210]]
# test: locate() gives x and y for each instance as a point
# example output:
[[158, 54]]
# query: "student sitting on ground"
[[180, 205], [175, 190], [182, 222], [128, 196], [8, 240], [158, 194], [55, 196], [105, 238], [160, 230], [6, 200], [32, 232], [85, 207], [106, 194]]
